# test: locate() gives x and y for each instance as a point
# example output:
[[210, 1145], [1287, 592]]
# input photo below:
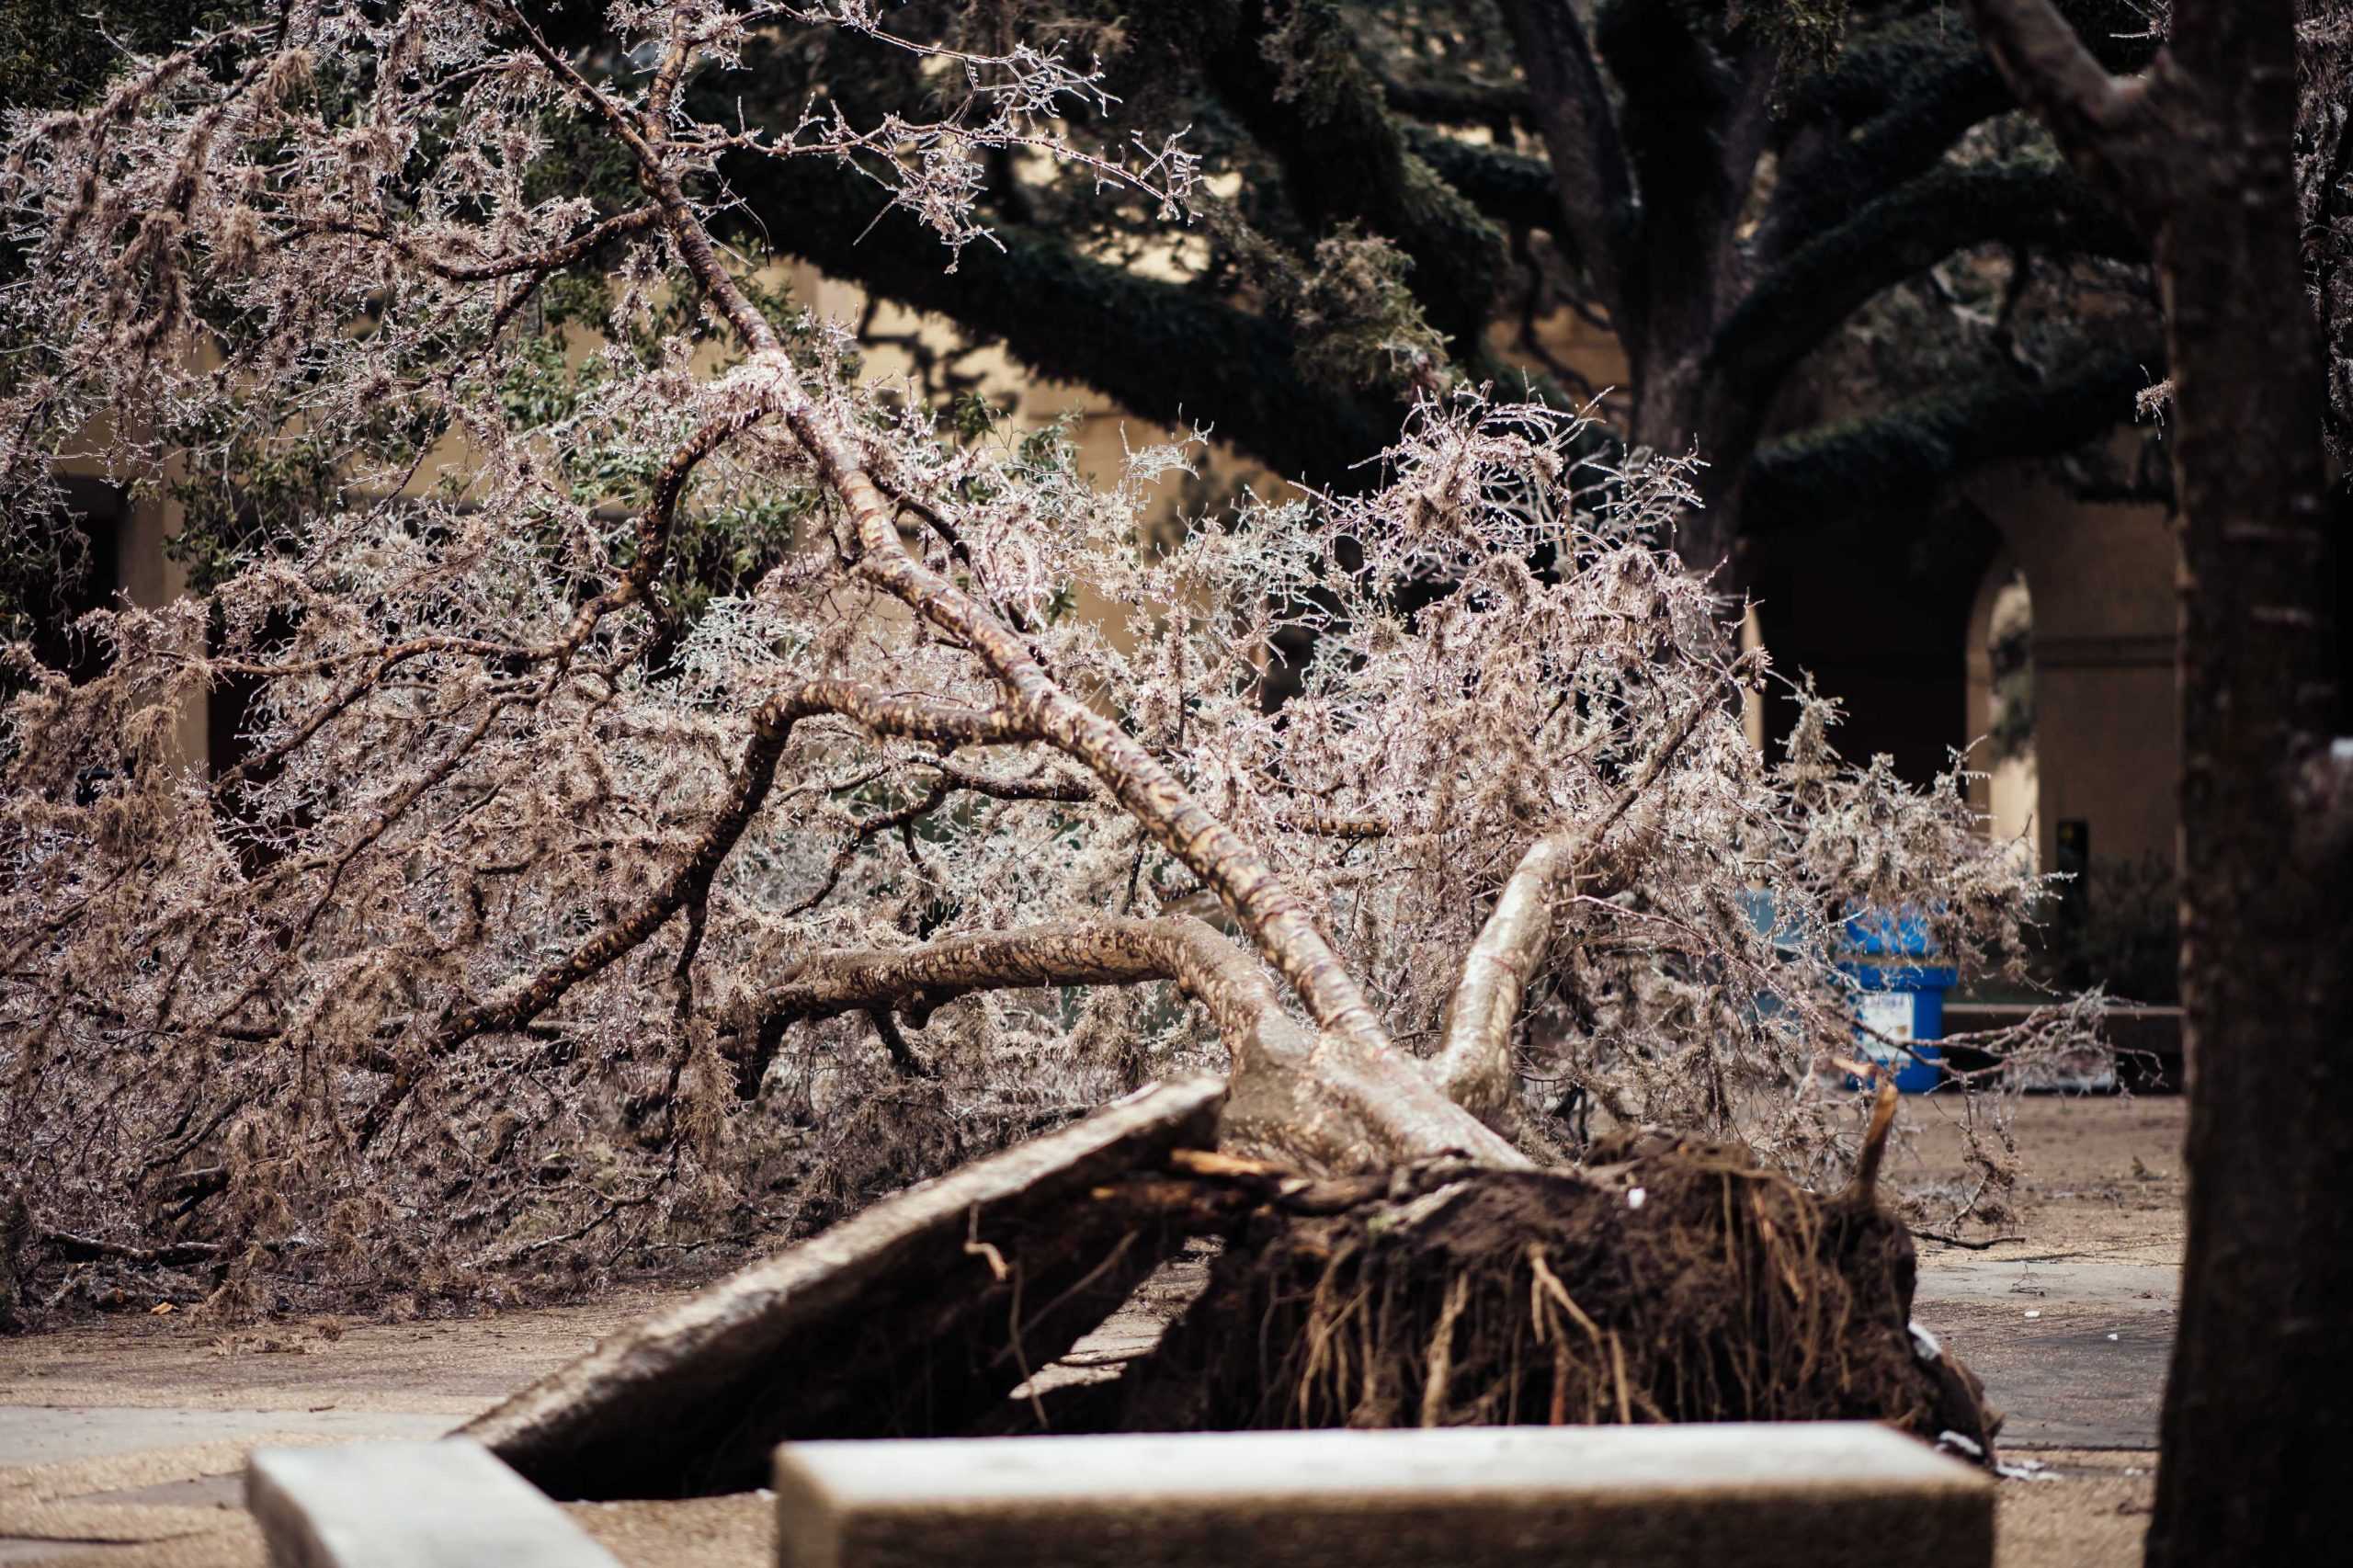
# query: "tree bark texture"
[[2252, 1439], [2200, 148]]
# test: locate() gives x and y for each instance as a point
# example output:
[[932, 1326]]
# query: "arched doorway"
[[1876, 608]]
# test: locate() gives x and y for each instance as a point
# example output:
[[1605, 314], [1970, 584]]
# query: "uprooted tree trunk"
[[1680, 1282]]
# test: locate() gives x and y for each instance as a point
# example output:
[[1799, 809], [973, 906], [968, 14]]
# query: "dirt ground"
[[2101, 1175], [121, 1440]]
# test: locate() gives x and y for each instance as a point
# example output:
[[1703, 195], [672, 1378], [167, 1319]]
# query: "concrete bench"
[[1807, 1495], [443, 1505]]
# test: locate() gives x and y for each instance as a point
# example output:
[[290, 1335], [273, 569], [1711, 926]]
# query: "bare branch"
[[1571, 107], [1875, 1140], [544, 259], [1324, 1105], [1210, 968], [2101, 121], [690, 883], [1474, 1065], [90, 1248]]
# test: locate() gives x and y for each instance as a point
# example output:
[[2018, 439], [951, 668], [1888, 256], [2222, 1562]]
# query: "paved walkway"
[[2072, 1350]]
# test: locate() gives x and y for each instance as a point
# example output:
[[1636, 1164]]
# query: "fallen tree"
[[1437, 1292], [559, 907]]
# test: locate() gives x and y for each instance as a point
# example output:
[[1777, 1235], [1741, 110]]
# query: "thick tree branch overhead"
[[1289, 70], [2105, 123], [1593, 190], [1802, 298], [1883, 456]]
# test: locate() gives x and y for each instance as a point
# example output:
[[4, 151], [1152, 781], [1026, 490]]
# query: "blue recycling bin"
[[1899, 997]]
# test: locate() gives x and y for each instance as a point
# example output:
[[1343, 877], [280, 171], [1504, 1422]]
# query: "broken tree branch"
[[1211, 969], [1474, 1065], [1319, 1103], [689, 883], [1277, 921], [1875, 1139]]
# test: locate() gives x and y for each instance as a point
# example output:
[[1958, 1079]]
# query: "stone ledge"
[[439, 1504], [1804, 1495]]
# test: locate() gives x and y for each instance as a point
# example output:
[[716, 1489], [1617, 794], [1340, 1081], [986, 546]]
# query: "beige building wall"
[[1105, 432], [146, 574], [2101, 577]]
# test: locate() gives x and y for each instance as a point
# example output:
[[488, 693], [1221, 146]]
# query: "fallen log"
[[911, 1319], [1679, 1282]]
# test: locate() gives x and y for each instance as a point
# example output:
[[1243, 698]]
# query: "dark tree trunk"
[[2253, 1439], [2256, 1428]]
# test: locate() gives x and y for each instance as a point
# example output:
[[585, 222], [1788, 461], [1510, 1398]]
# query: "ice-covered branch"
[[1322, 1104], [688, 884], [1271, 913], [1474, 1063]]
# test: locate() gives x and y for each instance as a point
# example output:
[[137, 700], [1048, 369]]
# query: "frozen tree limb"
[[1473, 1064], [1270, 913], [690, 883], [1212, 971], [543, 259], [1380, 1105], [1874, 1150]]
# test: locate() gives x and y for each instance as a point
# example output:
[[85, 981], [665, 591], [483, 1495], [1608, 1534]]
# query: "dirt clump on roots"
[[1683, 1283]]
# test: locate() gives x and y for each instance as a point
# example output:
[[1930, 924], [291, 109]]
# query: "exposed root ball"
[[1684, 1285]]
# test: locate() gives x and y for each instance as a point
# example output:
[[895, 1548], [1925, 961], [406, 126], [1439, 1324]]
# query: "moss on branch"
[[1892, 457], [1951, 209]]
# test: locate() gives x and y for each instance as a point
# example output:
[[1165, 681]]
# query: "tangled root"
[[1684, 1284]]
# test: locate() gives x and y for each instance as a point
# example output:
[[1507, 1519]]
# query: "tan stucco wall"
[[147, 575], [2102, 582]]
